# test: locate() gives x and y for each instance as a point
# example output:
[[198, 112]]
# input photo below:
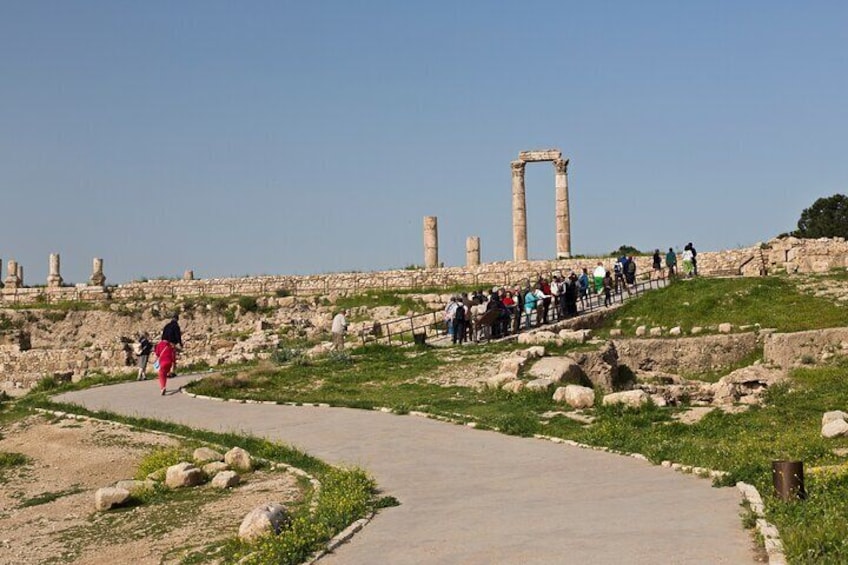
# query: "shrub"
[[248, 303], [160, 459]]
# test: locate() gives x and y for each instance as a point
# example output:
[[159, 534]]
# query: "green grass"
[[772, 302]]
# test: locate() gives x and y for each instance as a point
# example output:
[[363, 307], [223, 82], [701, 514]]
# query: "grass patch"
[[772, 302]]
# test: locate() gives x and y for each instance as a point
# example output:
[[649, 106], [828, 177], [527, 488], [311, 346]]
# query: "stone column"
[[188, 275], [431, 242], [97, 277], [12, 280], [20, 274], [54, 279], [472, 251], [563, 220], [519, 213]]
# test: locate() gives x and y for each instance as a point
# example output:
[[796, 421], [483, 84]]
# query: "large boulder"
[[268, 518], [631, 398], [557, 369], [575, 396], [238, 458], [600, 367], [746, 385], [512, 365], [110, 497], [833, 415], [183, 475]]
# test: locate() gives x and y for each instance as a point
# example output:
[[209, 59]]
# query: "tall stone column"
[[519, 213], [472, 251], [54, 279], [12, 280], [20, 274], [97, 276], [431, 242], [563, 220]]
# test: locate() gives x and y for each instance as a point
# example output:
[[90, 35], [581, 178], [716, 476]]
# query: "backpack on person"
[[459, 315]]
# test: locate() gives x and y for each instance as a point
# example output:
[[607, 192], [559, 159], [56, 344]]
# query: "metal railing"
[[404, 330]]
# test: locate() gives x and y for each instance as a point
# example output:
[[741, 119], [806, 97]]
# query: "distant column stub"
[[97, 276], [537, 155], [472, 251], [188, 275], [431, 242], [54, 277], [12, 280]]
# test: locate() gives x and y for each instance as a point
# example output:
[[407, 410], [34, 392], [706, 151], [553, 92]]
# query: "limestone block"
[[557, 369], [268, 518], [833, 415], [631, 398], [641, 331], [575, 396], [497, 381], [655, 332], [238, 458], [110, 497], [226, 479], [135, 487], [675, 331], [512, 364], [725, 328], [835, 428], [573, 336], [183, 475], [539, 384], [540, 155], [513, 386], [204, 455], [615, 332], [696, 330], [215, 467]]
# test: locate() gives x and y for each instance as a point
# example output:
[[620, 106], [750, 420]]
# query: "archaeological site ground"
[[648, 428]]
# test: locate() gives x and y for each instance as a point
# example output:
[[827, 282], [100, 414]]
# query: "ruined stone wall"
[[789, 254]]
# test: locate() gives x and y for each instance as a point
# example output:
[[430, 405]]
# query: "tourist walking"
[[671, 262], [688, 262], [166, 356], [694, 259], [598, 274], [144, 350], [630, 272], [459, 316], [339, 329], [656, 264], [607, 282], [173, 335]]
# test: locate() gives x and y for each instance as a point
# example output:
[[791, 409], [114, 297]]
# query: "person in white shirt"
[[339, 329]]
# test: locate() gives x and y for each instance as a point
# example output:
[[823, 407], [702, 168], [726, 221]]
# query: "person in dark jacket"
[[173, 335], [144, 349]]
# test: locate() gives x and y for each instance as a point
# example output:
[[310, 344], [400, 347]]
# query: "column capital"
[[561, 166], [518, 168]]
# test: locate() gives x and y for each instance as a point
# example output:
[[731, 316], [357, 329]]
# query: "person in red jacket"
[[166, 355]]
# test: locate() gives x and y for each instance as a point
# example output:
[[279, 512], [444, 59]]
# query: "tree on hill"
[[625, 250], [827, 217]]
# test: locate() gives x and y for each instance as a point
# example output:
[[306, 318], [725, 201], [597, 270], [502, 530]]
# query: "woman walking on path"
[[166, 355]]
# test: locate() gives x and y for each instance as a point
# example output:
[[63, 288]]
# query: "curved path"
[[472, 496]]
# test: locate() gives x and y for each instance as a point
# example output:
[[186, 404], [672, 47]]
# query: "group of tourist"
[[500, 312]]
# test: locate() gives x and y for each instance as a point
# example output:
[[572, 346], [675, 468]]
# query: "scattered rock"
[[226, 479], [693, 415], [268, 518], [512, 365], [725, 328], [835, 428], [204, 455], [135, 487], [558, 369], [575, 396], [632, 398], [655, 332], [615, 332], [238, 458], [600, 367], [833, 415], [183, 475], [641, 331], [746, 385], [110, 497], [675, 331], [215, 467], [539, 384], [696, 330], [534, 352], [574, 336], [498, 380], [513, 386]]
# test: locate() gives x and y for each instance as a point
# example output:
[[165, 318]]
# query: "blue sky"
[[307, 137]]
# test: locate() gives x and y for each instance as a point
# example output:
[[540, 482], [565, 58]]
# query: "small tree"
[[625, 250], [827, 217]]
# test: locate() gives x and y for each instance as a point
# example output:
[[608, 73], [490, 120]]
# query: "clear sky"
[[281, 137]]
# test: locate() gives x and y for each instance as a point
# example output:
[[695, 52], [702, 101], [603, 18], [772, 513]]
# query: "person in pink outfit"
[[167, 355]]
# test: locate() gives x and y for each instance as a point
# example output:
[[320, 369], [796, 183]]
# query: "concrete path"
[[475, 497]]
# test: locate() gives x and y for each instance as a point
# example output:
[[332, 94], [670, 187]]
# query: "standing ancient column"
[[472, 251], [12, 280], [54, 279], [20, 274], [519, 213], [97, 276], [431, 242], [563, 221]]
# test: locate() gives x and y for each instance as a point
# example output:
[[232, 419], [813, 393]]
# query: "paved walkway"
[[476, 497]]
